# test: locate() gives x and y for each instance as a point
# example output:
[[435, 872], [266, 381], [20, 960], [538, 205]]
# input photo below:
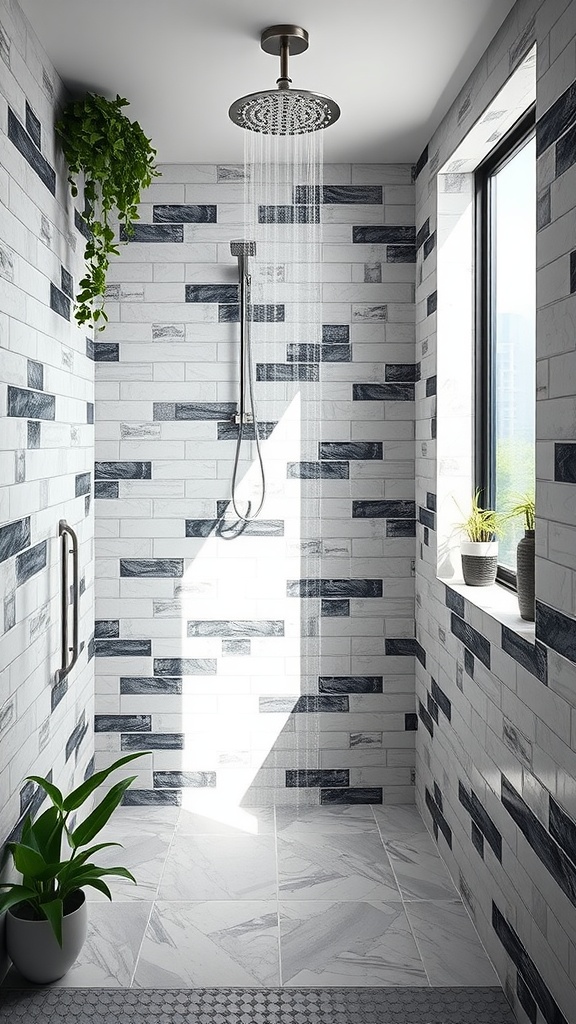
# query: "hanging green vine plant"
[[117, 162]]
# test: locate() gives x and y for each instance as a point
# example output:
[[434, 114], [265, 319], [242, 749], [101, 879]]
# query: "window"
[[506, 329]]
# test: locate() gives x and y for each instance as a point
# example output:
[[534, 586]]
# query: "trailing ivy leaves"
[[117, 161], [49, 881]]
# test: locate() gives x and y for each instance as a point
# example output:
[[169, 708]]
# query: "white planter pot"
[[479, 562], [34, 950], [487, 548]]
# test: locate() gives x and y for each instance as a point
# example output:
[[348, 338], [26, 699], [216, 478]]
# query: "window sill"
[[500, 604]]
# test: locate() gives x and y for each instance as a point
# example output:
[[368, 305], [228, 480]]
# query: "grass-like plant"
[[117, 161], [483, 524], [50, 878], [526, 507]]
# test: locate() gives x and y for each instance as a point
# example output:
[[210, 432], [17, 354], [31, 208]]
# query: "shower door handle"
[[69, 652]]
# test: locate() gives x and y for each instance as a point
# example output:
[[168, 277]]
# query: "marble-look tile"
[[334, 867], [340, 818], [419, 869], [227, 821], [348, 944], [398, 822], [124, 817], [108, 957], [143, 851], [223, 868], [210, 944], [450, 948]]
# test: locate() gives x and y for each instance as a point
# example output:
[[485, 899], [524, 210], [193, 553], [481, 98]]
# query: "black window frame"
[[484, 441]]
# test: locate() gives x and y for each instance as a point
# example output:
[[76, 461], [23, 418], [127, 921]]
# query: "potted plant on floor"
[[46, 915], [480, 551], [526, 556]]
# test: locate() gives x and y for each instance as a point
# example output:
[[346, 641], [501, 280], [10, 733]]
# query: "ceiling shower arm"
[[284, 82]]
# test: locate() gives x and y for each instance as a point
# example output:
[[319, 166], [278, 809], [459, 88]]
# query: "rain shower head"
[[284, 111], [241, 247]]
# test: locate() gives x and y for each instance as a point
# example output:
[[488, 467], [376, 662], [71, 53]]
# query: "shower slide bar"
[[68, 662]]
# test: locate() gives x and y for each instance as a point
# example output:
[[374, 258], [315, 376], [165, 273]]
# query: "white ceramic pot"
[[34, 950], [486, 549], [479, 562]]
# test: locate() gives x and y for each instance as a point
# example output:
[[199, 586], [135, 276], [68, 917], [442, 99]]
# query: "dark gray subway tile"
[[184, 214], [82, 484], [394, 372], [441, 699], [562, 828], [59, 302], [410, 721], [34, 434], [438, 817], [556, 120], [166, 567], [533, 979], [454, 601], [33, 405], [106, 352], [420, 653], [153, 233], [303, 353], [356, 795], [35, 375], [341, 194], [152, 741], [426, 517], [81, 225], [426, 718], [317, 470], [350, 450], [383, 509], [302, 778], [420, 163], [228, 431], [431, 303], [552, 856], [287, 371], [565, 153], [383, 234], [184, 780], [432, 708], [152, 798], [224, 293], [527, 1002], [565, 454], [238, 628], [556, 630], [257, 528], [400, 527], [66, 282], [146, 685], [123, 648], [122, 723], [335, 608], [431, 501], [350, 684], [400, 254], [259, 313], [194, 410], [480, 816], [26, 146], [336, 354], [184, 667], [33, 126], [477, 838], [29, 562], [106, 489], [335, 334], [532, 657], [422, 233], [104, 628], [89, 412], [288, 214], [471, 639], [200, 527], [383, 392], [14, 537], [429, 244], [438, 796], [334, 588], [430, 386], [76, 737], [401, 646], [123, 470], [304, 705]]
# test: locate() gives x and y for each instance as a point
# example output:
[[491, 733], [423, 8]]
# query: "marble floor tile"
[[348, 944], [232, 821], [210, 944], [338, 819], [108, 957], [420, 871], [335, 867], [167, 816], [220, 868], [399, 821], [449, 946], [143, 851]]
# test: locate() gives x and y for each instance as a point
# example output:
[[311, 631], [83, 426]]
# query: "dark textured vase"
[[525, 557]]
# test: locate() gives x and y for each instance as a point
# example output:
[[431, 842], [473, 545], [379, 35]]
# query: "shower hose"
[[246, 410]]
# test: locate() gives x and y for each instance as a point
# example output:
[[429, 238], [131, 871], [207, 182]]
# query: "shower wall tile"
[[504, 759], [47, 443], [242, 642]]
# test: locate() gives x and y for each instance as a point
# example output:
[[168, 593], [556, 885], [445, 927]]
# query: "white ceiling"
[[394, 66]]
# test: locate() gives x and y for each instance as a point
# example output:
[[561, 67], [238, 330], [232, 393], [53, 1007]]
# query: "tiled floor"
[[340, 896]]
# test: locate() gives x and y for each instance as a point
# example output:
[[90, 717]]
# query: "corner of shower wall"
[[47, 433]]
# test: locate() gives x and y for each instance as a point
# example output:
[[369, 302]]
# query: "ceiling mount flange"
[[274, 38]]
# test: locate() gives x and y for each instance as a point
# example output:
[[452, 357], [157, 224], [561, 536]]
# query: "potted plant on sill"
[[117, 161], [46, 915], [526, 556], [480, 551]]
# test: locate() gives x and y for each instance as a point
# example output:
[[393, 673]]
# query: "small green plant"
[[117, 161], [49, 879], [483, 524], [526, 507]]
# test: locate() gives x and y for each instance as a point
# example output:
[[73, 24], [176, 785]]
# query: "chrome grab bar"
[[65, 530]]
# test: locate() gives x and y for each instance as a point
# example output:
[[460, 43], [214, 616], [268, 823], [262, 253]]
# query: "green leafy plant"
[[117, 161], [50, 879], [483, 524], [526, 507]]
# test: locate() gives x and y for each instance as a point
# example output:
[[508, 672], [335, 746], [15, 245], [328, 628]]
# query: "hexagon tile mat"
[[256, 1006]]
